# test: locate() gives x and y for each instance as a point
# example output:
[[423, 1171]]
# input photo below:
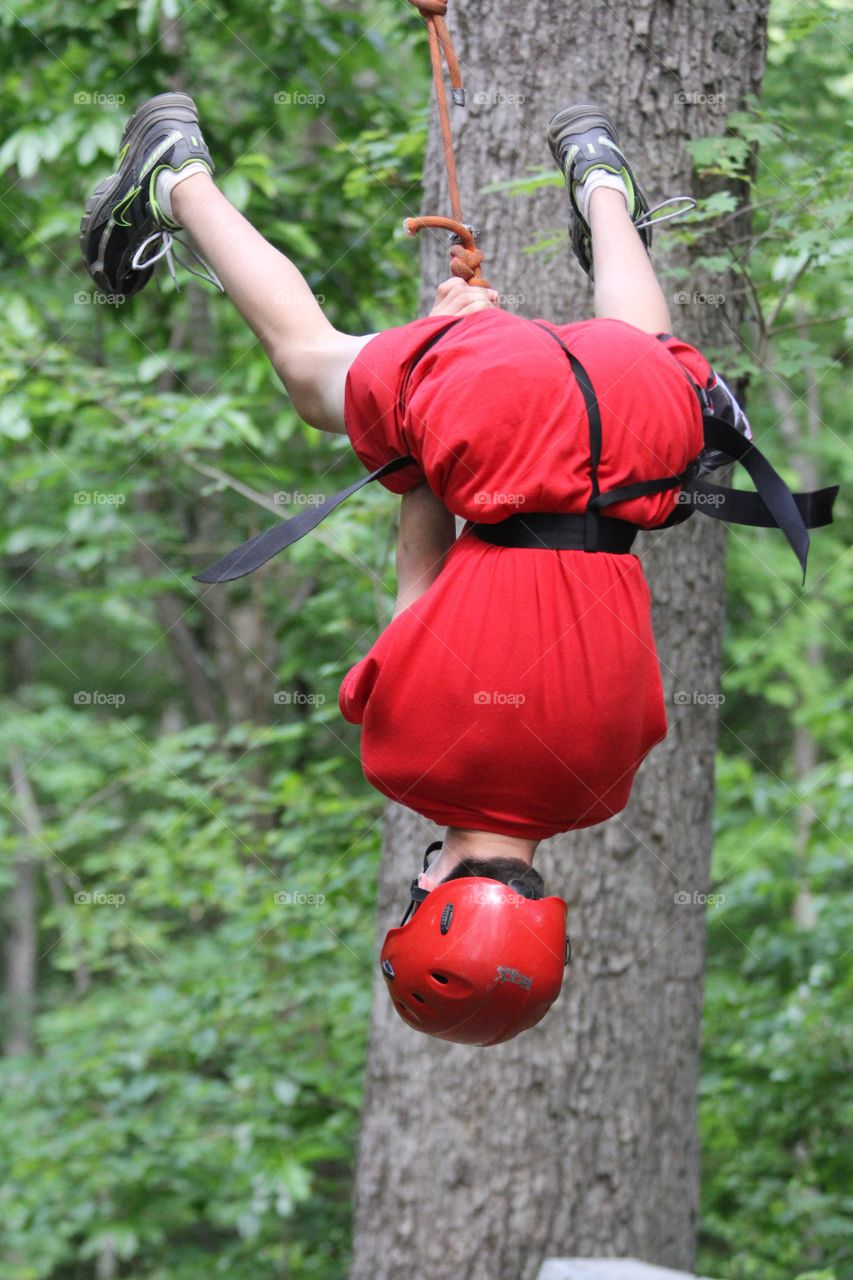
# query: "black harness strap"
[[250, 555], [772, 506], [737, 507], [557, 532], [593, 415]]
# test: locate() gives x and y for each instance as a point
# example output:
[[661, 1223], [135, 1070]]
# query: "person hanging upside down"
[[516, 691]]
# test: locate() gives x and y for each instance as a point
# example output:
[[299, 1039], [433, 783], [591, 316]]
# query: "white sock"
[[597, 178], [168, 179]]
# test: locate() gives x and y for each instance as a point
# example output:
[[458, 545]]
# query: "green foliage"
[[192, 1104], [775, 1102], [198, 1095]]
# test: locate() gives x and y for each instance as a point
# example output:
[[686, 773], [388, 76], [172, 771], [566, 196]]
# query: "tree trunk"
[[579, 1137]]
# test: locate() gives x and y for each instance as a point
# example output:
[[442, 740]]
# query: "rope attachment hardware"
[[465, 257]]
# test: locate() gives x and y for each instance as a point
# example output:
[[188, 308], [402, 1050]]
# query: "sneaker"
[[583, 138], [122, 218]]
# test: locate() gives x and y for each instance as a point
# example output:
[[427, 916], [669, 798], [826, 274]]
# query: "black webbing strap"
[[593, 415], [772, 506], [737, 507], [555, 531], [639, 489], [769, 508], [250, 555]]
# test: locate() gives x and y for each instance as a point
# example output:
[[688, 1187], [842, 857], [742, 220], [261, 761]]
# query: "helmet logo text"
[[513, 975]]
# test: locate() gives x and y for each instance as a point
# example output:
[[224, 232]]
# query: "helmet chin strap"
[[419, 894]]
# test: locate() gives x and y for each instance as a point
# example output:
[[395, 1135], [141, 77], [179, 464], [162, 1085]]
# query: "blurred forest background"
[[189, 849]]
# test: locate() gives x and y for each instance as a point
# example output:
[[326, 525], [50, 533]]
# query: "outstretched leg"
[[163, 183], [626, 287], [609, 229]]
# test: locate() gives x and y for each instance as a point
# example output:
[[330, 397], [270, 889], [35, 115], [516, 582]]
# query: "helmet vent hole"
[[439, 977], [446, 917], [419, 998]]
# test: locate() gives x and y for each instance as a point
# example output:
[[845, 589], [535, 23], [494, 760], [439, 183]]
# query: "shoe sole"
[[577, 119], [165, 106]]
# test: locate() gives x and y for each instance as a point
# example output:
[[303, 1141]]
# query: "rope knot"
[[465, 263]]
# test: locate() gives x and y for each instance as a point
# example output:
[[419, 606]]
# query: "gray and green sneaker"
[[124, 232], [583, 138]]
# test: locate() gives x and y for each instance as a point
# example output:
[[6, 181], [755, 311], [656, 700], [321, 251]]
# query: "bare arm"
[[427, 532], [427, 528]]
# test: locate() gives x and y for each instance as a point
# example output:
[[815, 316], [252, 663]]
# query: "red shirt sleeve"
[[691, 359], [356, 688], [374, 398]]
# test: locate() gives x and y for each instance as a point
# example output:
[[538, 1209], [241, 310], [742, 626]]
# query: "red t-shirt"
[[521, 692]]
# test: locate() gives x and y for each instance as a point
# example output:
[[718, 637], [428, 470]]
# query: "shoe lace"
[[167, 242], [648, 220]]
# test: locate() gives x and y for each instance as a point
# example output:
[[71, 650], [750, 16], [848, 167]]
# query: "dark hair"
[[503, 869]]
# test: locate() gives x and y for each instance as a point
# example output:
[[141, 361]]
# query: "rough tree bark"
[[578, 1138]]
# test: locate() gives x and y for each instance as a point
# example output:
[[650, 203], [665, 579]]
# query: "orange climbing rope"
[[465, 257]]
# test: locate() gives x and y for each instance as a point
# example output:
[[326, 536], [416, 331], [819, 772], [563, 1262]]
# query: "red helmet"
[[478, 962]]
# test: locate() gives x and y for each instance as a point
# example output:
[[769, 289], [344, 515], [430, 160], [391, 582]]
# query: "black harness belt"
[[771, 506], [556, 532]]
